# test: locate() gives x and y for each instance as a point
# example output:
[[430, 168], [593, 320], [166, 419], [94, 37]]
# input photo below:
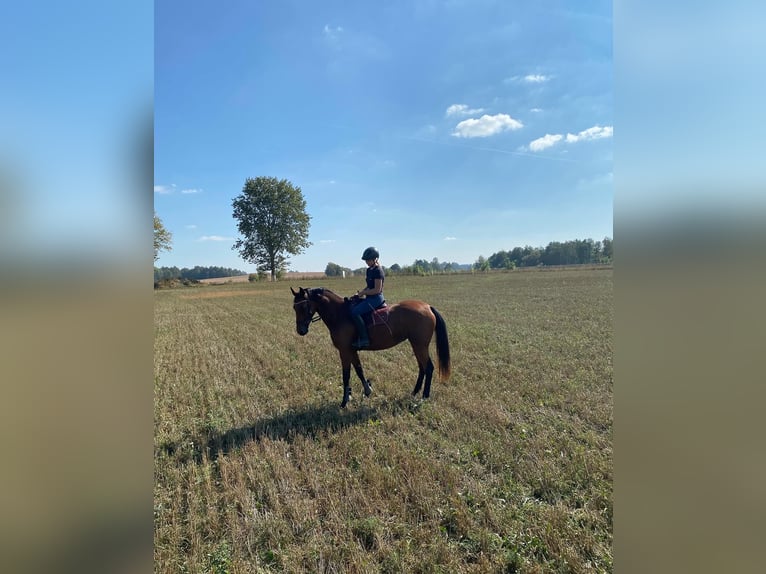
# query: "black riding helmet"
[[370, 253]]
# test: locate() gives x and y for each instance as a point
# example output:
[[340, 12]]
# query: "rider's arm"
[[377, 288]]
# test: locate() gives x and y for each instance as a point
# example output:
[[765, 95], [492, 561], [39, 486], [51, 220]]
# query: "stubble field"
[[506, 468]]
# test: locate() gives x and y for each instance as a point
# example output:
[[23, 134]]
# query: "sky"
[[427, 128]]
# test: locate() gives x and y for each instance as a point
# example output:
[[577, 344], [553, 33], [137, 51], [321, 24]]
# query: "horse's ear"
[[295, 294]]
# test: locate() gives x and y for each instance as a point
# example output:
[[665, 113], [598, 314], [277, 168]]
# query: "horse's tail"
[[442, 345]]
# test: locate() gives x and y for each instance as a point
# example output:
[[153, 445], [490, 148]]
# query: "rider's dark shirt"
[[375, 272]]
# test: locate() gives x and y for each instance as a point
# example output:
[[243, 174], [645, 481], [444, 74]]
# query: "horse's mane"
[[320, 291]]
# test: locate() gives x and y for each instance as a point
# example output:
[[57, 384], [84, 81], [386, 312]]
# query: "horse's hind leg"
[[426, 369], [429, 375], [419, 383]]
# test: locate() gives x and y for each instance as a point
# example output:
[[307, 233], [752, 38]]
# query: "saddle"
[[379, 316]]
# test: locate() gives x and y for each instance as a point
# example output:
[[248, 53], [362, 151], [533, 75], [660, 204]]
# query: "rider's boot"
[[363, 341]]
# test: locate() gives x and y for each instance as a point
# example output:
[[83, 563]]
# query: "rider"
[[372, 293]]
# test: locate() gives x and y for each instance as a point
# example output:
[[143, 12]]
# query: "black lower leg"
[[419, 383], [346, 386], [367, 385], [429, 375]]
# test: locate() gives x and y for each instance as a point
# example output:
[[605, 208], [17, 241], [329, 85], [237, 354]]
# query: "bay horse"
[[411, 320]]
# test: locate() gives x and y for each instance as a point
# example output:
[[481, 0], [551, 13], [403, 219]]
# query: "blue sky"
[[431, 128]]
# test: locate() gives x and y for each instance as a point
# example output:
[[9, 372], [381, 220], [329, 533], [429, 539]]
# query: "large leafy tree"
[[271, 216], [162, 238]]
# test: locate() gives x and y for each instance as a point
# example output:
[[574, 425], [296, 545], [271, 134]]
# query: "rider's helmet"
[[370, 253]]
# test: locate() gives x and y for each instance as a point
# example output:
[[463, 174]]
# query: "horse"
[[411, 320]]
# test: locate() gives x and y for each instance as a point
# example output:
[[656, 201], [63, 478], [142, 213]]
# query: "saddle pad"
[[378, 317]]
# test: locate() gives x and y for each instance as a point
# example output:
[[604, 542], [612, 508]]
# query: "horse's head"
[[305, 306]]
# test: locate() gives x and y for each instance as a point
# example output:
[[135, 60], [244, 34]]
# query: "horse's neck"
[[331, 312]]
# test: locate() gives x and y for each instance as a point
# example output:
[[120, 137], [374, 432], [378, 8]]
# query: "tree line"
[[195, 273], [425, 267], [575, 252]]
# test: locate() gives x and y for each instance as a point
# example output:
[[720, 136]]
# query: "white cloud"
[[168, 189], [594, 133], [192, 226], [215, 238], [486, 126], [528, 79], [165, 189], [536, 110], [462, 110], [548, 140], [449, 238], [326, 241], [536, 78]]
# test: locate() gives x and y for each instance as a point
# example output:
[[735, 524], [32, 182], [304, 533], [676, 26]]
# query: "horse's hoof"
[[415, 406]]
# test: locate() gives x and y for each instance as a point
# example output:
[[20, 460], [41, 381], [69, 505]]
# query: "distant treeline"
[[195, 273], [419, 267], [576, 252]]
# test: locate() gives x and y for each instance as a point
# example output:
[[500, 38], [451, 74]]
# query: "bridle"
[[311, 318]]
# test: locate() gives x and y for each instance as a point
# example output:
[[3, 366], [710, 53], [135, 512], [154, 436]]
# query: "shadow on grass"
[[309, 422]]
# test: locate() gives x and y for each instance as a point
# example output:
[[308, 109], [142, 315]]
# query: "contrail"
[[496, 150], [449, 143]]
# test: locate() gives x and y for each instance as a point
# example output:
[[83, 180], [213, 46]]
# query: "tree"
[[531, 257], [422, 267], [271, 215], [608, 249], [481, 264], [499, 260], [333, 270], [516, 255], [162, 237]]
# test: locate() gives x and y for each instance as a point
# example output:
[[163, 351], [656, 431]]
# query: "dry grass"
[[507, 468]]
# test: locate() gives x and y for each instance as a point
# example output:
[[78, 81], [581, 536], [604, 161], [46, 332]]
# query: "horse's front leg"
[[346, 367], [360, 373]]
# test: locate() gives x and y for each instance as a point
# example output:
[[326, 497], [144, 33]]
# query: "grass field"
[[506, 468]]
